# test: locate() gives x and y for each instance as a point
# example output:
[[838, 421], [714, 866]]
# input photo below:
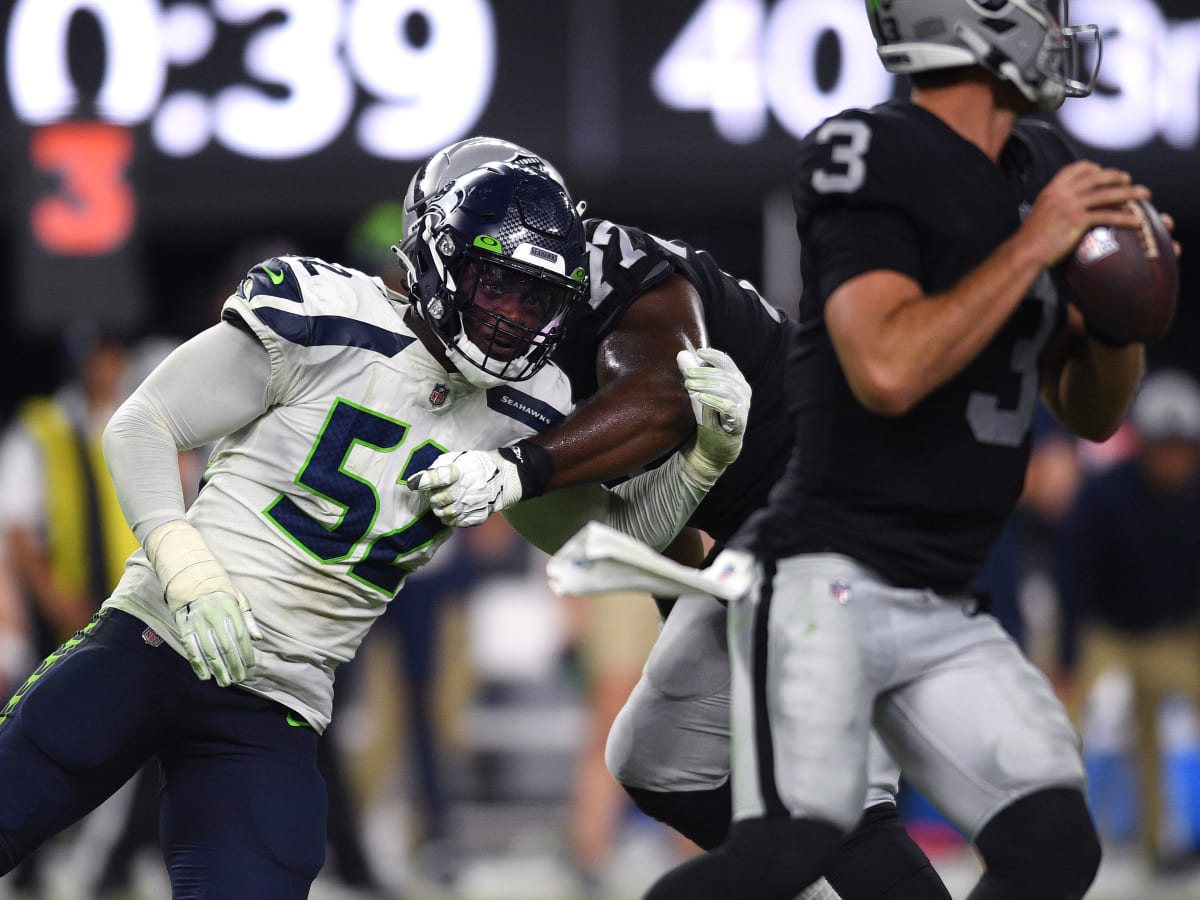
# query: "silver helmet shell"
[[1024, 42], [454, 161]]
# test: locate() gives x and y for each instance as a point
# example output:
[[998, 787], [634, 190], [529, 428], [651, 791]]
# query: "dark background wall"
[[247, 126]]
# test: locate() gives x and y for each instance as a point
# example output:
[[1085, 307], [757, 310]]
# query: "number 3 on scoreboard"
[[92, 211]]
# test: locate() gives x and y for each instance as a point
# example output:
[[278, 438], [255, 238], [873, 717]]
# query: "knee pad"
[[700, 816], [1042, 847], [879, 861], [776, 859], [666, 745]]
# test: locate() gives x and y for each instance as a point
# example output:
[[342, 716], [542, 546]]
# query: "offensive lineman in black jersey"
[[649, 299], [929, 229]]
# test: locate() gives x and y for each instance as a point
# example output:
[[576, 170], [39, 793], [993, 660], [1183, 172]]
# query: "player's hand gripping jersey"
[[624, 264], [894, 188], [307, 508]]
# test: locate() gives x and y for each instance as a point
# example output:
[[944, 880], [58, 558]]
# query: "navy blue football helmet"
[[495, 265]]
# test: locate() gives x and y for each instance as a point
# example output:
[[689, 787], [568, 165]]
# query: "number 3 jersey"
[[306, 506], [921, 497]]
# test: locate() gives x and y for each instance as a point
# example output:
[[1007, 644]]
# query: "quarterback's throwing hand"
[[721, 397], [466, 487]]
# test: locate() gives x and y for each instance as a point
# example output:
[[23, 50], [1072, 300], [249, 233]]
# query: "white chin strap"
[[473, 360]]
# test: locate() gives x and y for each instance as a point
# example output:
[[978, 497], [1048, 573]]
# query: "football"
[[1125, 281]]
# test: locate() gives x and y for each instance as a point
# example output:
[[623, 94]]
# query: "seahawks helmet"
[[1021, 41], [495, 264], [459, 158]]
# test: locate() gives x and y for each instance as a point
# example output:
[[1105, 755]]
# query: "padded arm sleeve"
[[212, 385], [653, 507]]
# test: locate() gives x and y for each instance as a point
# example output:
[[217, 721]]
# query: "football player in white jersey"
[[326, 393]]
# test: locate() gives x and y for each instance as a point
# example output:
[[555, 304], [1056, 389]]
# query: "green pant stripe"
[[71, 643]]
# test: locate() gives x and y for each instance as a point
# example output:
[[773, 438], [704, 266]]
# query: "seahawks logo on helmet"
[[991, 6]]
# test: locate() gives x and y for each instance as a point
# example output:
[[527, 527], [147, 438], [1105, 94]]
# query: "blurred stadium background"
[[152, 150]]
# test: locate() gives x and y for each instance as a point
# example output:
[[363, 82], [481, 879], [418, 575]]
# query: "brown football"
[[1125, 281]]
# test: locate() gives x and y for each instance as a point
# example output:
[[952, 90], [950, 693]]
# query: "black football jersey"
[[623, 264], [919, 498]]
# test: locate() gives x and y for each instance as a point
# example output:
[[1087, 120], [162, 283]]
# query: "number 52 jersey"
[[306, 506]]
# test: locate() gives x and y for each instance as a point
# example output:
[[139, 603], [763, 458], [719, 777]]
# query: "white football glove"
[[721, 400], [214, 618], [466, 487]]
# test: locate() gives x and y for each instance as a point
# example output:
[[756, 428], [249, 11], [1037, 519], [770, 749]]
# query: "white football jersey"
[[306, 507]]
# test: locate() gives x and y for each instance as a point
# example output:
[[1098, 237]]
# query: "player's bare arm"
[[1088, 384], [641, 411], [654, 506], [898, 344]]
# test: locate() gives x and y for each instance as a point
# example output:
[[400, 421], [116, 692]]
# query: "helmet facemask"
[[1065, 64], [495, 266], [510, 317]]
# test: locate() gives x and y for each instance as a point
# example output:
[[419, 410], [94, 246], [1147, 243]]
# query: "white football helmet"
[[1024, 42]]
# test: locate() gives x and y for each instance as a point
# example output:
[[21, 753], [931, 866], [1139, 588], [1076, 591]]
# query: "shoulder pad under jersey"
[[624, 263], [308, 301]]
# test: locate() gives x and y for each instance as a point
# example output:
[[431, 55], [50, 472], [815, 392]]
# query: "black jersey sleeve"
[[851, 244], [623, 264], [853, 192]]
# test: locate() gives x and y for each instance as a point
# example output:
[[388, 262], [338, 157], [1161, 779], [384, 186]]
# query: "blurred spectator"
[[1019, 575], [65, 537], [414, 626], [1131, 572], [614, 634], [63, 527]]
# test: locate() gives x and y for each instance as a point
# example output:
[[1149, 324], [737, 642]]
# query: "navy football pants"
[[242, 805]]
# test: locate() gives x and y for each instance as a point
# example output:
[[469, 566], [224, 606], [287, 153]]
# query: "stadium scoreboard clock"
[[145, 114]]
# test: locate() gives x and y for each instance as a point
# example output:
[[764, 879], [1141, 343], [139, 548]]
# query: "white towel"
[[599, 559]]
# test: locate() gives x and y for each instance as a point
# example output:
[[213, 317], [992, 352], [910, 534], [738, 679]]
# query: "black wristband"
[[534, 466], [1101, 338]]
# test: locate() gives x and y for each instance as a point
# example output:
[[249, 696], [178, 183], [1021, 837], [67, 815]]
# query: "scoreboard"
[[127, 118]]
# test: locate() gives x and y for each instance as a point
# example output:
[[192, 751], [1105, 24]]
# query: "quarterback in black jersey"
[[931, 323], [648, 299]]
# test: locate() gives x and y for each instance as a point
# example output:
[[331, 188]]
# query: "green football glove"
[[216, 624], [721, 400]]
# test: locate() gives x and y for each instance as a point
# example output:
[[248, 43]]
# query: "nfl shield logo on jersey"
[[438, 395], [840, 591]]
